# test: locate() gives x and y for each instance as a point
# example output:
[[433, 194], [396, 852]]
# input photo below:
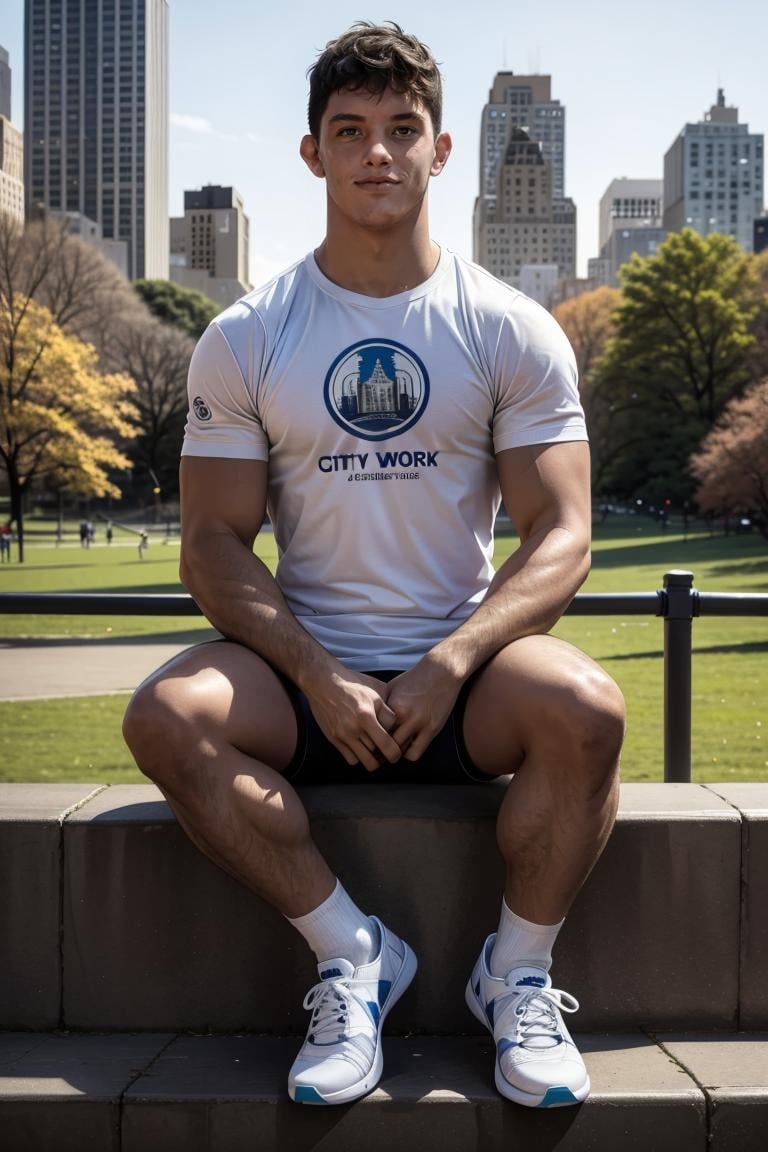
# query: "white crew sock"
[[337, 929], [519, 942]]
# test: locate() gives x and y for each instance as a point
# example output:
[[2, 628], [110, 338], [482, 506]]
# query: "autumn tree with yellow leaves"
[[59, 415]]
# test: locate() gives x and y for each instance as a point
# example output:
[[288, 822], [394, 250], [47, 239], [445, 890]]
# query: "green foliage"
[[681, 349], [186, 309]]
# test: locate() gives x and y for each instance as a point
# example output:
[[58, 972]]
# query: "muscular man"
[[378, 399]]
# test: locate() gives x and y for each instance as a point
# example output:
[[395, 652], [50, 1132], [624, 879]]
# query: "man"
[[377, 399]]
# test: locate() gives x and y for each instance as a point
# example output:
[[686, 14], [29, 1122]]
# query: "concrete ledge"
[[155, 938], [751, 802], [228, 1094], [31, 817]]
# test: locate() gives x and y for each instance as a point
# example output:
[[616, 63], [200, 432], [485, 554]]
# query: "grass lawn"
[[79, 739]]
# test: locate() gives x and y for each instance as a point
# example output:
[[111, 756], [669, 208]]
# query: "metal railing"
[[678, 603]]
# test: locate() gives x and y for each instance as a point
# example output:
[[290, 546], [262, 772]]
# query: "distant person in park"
[[5, 542], [109, 531], [379, 399], [143, 544], [85, 538]]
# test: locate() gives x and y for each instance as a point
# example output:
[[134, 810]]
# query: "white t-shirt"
[[380, 419]]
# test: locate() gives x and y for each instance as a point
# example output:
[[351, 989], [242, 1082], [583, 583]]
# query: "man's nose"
[[377, 151]]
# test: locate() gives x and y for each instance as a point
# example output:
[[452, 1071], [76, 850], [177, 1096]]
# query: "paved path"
[[32, 669]]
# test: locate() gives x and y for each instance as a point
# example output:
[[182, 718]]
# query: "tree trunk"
[[17, 509]]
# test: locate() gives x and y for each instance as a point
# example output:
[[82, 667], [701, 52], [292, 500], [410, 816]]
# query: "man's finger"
[[386, 717], [387, 748]]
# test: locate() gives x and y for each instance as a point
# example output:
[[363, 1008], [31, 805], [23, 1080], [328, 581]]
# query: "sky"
[[629, 75]]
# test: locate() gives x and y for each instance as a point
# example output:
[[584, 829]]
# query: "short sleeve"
[[223, 419], [535, 380]]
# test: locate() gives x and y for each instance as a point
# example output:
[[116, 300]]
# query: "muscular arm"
[[223, 503], [546, 491]]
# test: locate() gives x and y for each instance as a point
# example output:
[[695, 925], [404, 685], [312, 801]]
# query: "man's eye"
[[405, 130], [348, 131]]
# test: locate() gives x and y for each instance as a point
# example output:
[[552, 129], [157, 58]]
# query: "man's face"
[[376, 154]]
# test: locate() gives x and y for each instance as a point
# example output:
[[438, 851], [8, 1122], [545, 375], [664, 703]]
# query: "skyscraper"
[[5, 84], [11, 150], [522, 215], [96, 119], [713, 176]]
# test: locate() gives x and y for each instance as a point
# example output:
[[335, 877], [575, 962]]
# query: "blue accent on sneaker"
[[307, 1095], [331, 973], [374, 1010], [504, 1045], [530, 982], [490, 1010], [555, 1096], [384, 987]]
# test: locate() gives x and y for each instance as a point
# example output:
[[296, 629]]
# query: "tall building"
[[630, 204], [96, 120], [5, 84], [11, 150], [631, 216], [523, 219], [713, 176], [210, 244]]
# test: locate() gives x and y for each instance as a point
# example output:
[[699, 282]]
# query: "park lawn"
[[730, 677], [77, 738]]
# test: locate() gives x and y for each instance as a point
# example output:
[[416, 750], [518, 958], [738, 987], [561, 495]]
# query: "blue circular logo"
[[376, 389]]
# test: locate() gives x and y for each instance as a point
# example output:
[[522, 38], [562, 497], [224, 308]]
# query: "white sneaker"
[[341, 1058], [537, 1062]]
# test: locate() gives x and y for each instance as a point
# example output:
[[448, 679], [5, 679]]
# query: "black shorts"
[[316, 761]]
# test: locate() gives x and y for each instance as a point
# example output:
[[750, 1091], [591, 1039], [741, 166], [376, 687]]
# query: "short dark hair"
[[375, 57]]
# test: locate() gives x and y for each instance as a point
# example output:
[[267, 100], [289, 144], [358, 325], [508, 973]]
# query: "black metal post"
[[680, 601]]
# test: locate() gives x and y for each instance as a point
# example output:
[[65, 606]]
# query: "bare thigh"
[[539, 692], [219, 693]]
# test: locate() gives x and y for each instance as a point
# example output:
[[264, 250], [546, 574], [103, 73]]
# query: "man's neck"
[[377, 264]]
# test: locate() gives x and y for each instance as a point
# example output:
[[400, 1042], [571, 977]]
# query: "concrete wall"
[[120, 924]]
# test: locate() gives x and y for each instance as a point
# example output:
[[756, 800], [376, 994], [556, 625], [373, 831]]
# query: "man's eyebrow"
[[357, 119]]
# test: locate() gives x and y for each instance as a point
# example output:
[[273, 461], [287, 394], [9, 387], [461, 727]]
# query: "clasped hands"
[[371, 721]]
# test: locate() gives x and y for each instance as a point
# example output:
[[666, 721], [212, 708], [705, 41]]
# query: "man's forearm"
[[241, 598], [527, 596]]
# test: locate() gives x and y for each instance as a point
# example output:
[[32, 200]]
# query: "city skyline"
[[238, 98]]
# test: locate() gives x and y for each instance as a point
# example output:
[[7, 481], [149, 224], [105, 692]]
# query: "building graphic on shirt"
[[376, 389]]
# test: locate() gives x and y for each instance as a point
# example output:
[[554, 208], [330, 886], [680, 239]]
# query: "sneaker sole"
[[307, 1094], [556, 1095]]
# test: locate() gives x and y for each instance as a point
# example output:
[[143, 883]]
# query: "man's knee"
[[591, 714], [151, 729]]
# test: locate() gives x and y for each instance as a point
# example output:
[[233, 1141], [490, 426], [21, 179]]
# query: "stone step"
[[120, 924], [676, 1092]]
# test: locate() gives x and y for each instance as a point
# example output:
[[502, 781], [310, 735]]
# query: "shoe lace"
[[536, 1010], [331, 1002]]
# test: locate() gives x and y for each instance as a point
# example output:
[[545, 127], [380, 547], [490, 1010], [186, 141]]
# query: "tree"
[[679, 354], [84, 293], [732, 463], [59, 416], [157, 357], [758, 358], [184, 308], [588, 322]]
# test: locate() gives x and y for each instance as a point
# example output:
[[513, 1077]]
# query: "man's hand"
[[422, 699], [353, 714]]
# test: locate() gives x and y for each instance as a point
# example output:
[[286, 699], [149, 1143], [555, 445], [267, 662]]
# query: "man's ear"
[[443, 146], [310, 154]]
